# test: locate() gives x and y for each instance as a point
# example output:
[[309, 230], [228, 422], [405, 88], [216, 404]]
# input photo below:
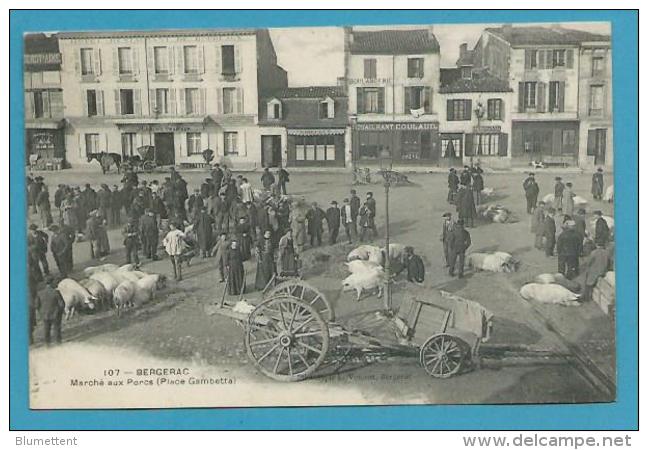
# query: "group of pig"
[[109, 286], [366, 264]]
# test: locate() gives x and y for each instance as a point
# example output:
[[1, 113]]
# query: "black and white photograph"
[[313, 216]]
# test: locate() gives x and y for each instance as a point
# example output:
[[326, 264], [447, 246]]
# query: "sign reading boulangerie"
[[322, 216]]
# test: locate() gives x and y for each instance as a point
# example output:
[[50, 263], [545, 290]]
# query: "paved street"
[[176, 327]]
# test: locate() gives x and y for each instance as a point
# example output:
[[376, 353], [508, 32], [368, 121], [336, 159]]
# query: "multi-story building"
[[310, 125], [392, 79], [180, 91], [44, 113], [475, 115], [543, 67]]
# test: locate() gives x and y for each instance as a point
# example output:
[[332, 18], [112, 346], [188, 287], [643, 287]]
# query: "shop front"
[[408, 143], [553, 143], [316, 147], [45, 144]]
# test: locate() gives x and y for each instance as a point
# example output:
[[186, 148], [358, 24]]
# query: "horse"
[[106, 160]]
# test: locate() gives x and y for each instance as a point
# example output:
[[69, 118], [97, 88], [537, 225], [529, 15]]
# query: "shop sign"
[[488, 129], [42, 58], [43, 141], [369, 81], [391, 126], [165, 128]]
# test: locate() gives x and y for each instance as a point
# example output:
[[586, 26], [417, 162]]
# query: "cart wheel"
[[305, 292], [443, 355], [286, 338]]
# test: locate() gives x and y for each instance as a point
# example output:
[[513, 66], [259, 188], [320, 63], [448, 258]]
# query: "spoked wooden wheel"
[[286, 338], [443, 355], [306, 293]]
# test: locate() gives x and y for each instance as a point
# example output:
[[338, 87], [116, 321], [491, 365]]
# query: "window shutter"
[[502, 112], [449, 110], [541, 97], [407, 93], [172, 101], [330, 111], [561, 96], [137, 102], [150, 60], [29, 105], [77, 61], [548, 59], [152, 101], [381, 100], [218, 61], [467, 109], [542, 59], [115, 61], [239, 100], [97, 61], [135, 60], [427, 99], [521, 96], [238, 63], [84, 102], [591, 143], [117, 102], [46, 104], [468, 147], [270, 110], [101, 108], [359, 100], [527, 59], [171, 59], [242, 143], [367, 68], [569, 56], [219, 101], [201, 59], [503, 144], [179, 59], [606, 101], [182, 105], [203, 100]]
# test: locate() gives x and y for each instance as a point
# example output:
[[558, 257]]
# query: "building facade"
[[182, 92], [475, 115], [543, 67], [392, 80], [44, 111], [314, 127]]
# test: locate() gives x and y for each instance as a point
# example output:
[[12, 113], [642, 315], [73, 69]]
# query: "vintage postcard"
[[357, 215]]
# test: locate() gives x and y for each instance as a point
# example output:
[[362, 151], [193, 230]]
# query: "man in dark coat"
[[595, 267], [88, 199], [371, 204], [37, 241], [453, 185], [217, 176], [466, 176], [284, 177], [601, 229], [33, 190], [459, 243], [581, 223], [559, 189], [477, 185], [235, 270], [195, 204], [569, 247], [50, 305], [44, 207], [549, 232], [446, 232], [104, 198], [92, 234], [354, 201], [138, 206], [158, 208], [204, 227], [59, 195], [315, 217], [466, 205], [531, 191], [266, 265], [131, 240], [61, 247], [597, 184], [206, 188], [347, 220], [116, 204], [414, 265], [333, 222], [149, 234], [267, 179]]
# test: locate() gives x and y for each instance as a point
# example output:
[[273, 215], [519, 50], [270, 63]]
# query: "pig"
[[363, 252], [579, 202], [610, 278], [127, 276], [549, 293], [370, 278], [88, 271], [107, 279], [75, 296], [609, 194], [104, 297], [495, 262], [146, 288], [358, 266], [123, 295], [557, 278]]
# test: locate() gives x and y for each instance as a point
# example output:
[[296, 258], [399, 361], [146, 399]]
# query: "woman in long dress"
[[287, 255], [244, 238], [235, 270], [266, 267]]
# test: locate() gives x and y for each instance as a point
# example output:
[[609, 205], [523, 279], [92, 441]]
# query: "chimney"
[[463, 48], [430, 32]]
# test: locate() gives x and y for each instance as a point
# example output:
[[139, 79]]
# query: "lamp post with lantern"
[[388, 178]]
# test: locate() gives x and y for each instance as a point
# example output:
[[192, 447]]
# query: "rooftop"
[[466, 59], [481, 81], [156, 33], [394, 42], [535, 35], [41, 53]]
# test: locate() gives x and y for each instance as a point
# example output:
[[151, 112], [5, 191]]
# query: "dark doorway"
[[271, 151], [164, 149]]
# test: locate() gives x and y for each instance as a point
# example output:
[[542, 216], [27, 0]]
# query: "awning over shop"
[[316, 131], [45, 124]]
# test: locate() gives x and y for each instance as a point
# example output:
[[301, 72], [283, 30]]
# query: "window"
[[161, 60], [417, 97], [326, 109], [190, 59], [568, 140], [459, 109], [494, 108], [370, 71], [371, 100], [486, 144], [373, 143], [162, 101], [596, 100], [91, 98], [530, 59], [231, 143], [38, 104], [126, 100], [87, 63], [229, 100], [559, 58], [193, 144], [556, 96], [125, 58], [466, 73], [192, 101], [276, 111], [92, 143], [598, 64], [128, 144], [414, 67], [530, 94], [315, 148], [228, 63]]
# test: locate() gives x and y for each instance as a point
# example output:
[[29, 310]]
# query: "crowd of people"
[[465, 192]]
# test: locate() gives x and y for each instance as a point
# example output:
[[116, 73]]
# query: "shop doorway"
[[451, 150], [271, 151], [597, 145], [164, 149]]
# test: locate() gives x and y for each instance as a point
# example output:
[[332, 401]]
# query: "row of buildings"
[[521, 94]]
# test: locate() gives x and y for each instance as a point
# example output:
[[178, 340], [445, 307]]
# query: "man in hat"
[[206, 188], [204, 226], [465, 202], [601, 229], [559, 188], [44, 207], [138, 206], [267, 179], [315, 217], [459, 241], [158, 208], [284, 177], [371, 204], [145, 192], [247, 193], [88, 200], [446, 231], [354, 202], [220, 250], [414, 265], [104, 198], [149, 234], [453, 185], [531, 191], [132, 241], [569, 248], [595, 267], [34, 189], [116, 205], [37, 241], [597, 184], [537, 224], [174, 244], [61, 247], [568, 199], [549, 232], [59, 195], [50, 305], [466, 176], [266, 266], [195, 204], [347, 220], [217, 176], [477, 184], [333, 222], [92, 233]]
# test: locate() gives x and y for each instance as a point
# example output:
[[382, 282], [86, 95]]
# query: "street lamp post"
[[386, 170]]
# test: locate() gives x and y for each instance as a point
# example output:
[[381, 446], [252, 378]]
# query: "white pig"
[[123, 295], [362, 252], [88, 271], [75, 296], [549, 293], [609, 194], [146, 288], [97, 290], [369, 279], [107, 279]]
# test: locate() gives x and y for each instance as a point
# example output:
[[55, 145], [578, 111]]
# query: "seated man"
[[414, 265]]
